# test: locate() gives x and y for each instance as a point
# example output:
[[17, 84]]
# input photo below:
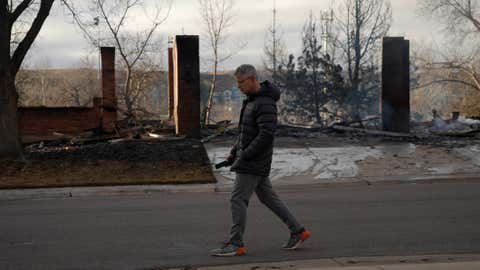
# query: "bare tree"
[[274, 48], [11, 58], [457, 63], [362, 24], [451, 70], [78, 88], [142, 86], [42, 73], [217, 17], [23, 80], [112, 19], [459, 17]]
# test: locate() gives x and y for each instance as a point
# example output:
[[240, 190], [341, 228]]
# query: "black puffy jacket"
[[253, 149]]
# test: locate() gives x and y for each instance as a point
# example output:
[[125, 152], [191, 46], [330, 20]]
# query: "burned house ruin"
[[184, 99], [184, 94], [41, 121]]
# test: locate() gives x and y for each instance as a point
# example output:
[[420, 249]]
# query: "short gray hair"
[[246, 70]]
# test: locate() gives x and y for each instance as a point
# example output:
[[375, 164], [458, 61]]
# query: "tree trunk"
[[128, 94], [476, 79], [210, 95], [317, 107], [10, 146], [43, 87], [357, 45], [77, 97], [316, 96]]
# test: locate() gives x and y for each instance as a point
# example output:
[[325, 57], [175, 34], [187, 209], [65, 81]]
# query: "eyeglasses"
[[242, 81]]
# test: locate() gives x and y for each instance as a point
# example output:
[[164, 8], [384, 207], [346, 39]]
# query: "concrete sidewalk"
[[223, 185], [131, 190], [427, 262], [433, 266]]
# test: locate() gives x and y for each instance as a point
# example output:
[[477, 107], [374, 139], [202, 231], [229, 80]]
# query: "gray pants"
[[244, 186]]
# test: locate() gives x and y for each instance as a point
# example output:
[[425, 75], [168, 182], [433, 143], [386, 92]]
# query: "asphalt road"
[[177, 229]]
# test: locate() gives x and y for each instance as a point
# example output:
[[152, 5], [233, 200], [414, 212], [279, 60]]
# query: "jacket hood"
[[268, 89]]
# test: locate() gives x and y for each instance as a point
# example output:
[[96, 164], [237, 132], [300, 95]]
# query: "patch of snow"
[[291, 161], [468, 121], [321, 163], [470, 152], [340, 162], [442, 170]]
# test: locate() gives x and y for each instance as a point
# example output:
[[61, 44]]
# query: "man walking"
[[251, 159]]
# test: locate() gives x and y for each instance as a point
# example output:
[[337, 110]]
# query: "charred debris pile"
[[145, 141], [138, 142], [453, 132]]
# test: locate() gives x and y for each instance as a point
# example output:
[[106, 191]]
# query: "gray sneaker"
[[228, 250], [296, 239]]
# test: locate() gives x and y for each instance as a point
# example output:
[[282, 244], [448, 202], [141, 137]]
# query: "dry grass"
[[61, 169]]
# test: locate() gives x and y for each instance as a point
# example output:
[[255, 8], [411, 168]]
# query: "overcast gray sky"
[[60, 44]]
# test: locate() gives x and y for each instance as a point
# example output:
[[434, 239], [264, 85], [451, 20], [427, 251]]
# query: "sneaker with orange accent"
[[228, 250], [296, 239]]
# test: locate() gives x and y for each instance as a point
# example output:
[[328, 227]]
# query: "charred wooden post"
[[455, 116], [395, 93], [186, 66], [171, 101]]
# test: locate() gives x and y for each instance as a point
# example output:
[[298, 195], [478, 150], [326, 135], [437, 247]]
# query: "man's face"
[[246, 84]]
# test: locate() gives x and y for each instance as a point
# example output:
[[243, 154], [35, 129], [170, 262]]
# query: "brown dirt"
[[122, 163]]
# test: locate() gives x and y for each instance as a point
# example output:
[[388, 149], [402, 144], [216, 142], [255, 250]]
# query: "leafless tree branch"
[[32, 33], [132, 47], [19, 10], [217, 16]]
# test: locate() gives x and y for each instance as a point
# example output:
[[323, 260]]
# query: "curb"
[[69, 192], [133, 190], [446, 261], [460, 178], [349, 182]]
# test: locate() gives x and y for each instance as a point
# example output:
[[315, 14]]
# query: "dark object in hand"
[[225, 163]]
